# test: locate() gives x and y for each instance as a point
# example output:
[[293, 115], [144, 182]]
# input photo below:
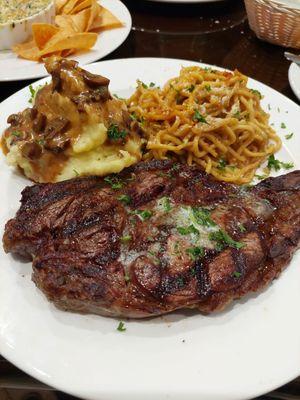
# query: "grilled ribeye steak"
[[158, 237]]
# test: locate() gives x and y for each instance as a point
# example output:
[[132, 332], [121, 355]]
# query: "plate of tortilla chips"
[[86, 30]]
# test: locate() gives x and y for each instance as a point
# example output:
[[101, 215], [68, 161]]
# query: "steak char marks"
[[158, 237]]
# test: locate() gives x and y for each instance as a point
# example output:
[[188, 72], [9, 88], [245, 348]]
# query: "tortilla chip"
[[28, 50], [42, 33], [72, 41], [70, 5], [65, 22], [81, 20], [106, 20], [82, 5], [94, 12], [59, 5]]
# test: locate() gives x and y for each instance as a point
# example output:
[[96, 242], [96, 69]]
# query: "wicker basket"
[[276, 21]]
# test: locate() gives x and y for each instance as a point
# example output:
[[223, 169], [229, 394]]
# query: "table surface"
[[213, 33]]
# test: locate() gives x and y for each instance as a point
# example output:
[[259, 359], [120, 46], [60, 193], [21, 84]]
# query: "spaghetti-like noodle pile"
[[209, 118]]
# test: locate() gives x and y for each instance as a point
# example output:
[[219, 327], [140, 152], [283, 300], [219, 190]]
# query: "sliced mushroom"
[[55, 138], [57, 144], [56, 126], [31, 150], [100, 94], [39, 123], [33, 113], [94, 81], [14, 119]]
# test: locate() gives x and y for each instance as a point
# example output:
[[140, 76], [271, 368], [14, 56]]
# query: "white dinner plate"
[[13, 68], [294, 79], [249, 349]]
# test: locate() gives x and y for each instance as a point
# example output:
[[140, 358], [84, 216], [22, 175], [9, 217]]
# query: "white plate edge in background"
[[17, 69], [294, 79]]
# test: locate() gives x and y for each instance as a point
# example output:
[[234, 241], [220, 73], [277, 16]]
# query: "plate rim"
[[292, 70], [127, 29], [5, 349]]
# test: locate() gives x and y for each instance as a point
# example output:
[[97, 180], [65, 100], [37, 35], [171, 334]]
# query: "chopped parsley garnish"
[[195, 252], [199, 117], [178, 96], [223, 240], [162, 175], [133, 116], [260, 177], [114, 133], [289, 136], [257, 92], [202, 217], [121, 327], [176, 248], [237, 274], [144, 85], [241, 228], [237, 114], [125, 198], [143, 214], [283, 126], [75, 172], [222, 164], [166, 204], [114, 182], [16, 133], [118, 97], [175, 167], [277, 165], [187, 230], [207, 88], [287, 165], [180, 281], [191, 88], [151, 84], [41, 142], [154, 257], [33, 92], [126, 238]]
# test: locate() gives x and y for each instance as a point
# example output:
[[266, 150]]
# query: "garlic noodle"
[[209, 118]]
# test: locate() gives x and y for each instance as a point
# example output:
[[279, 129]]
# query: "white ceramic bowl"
[[12, 33]]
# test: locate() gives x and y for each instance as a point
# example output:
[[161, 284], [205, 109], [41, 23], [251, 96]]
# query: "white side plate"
[[13, 68]]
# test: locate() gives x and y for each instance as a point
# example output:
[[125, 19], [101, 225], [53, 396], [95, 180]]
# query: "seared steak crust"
[[158, 237]]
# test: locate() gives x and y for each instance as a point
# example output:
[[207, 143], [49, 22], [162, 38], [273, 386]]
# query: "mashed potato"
[[74, 128], [90, 155]]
